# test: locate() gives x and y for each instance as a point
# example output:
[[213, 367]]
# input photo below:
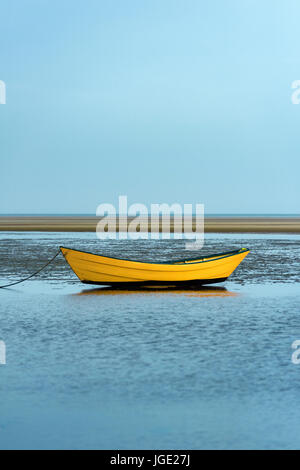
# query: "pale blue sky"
[[163, 101]]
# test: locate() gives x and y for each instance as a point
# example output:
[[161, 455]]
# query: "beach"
[[100, 368], [149, 228], [220, 224]]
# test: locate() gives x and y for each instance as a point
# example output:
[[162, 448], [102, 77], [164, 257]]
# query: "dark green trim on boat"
[[184, 260]]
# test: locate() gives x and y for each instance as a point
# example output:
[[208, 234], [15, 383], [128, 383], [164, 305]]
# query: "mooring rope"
[[31, 275]]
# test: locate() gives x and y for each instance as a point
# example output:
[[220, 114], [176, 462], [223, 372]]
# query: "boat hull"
[[192, 283], [106, 271]]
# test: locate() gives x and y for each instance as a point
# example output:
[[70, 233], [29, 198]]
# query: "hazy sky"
[[160, 100]]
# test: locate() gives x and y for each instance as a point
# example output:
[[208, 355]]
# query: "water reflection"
[[188, 291]]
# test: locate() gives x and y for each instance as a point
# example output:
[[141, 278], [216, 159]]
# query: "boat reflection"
[[205, 291]]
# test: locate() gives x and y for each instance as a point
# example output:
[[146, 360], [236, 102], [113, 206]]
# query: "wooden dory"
[[102, 270]]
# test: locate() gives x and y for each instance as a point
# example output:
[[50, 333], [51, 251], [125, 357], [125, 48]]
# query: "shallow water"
[[100, 368]]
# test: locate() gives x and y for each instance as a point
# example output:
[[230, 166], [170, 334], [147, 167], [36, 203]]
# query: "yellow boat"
[[106, 271]]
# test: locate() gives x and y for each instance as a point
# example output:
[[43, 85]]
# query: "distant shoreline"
[[213, 224]]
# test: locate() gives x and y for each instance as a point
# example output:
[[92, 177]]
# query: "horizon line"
[[86, 214]]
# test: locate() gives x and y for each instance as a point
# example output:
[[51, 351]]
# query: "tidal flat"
[[102, 368]]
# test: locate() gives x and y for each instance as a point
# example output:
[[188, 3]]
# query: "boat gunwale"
[[204, 259]]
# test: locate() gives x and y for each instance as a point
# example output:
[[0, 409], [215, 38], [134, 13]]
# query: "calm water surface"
[[100, 368]]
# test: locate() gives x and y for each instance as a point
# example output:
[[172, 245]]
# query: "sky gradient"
[[163, 101]]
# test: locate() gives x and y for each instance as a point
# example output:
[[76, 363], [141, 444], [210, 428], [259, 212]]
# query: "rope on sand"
[[31, 275]]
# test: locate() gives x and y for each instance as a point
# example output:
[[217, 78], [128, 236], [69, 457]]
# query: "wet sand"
[[102, 368], [212, 224]]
